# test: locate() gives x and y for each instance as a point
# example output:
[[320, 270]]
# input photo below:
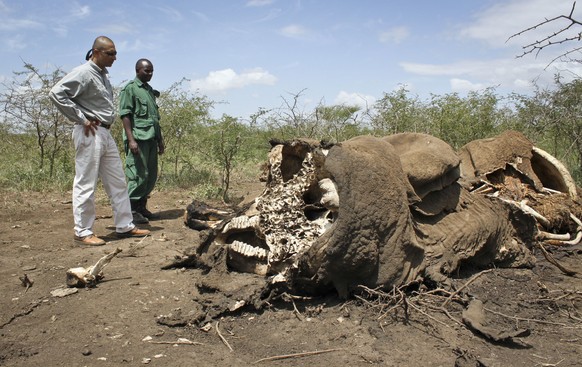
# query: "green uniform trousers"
[[141, 169]]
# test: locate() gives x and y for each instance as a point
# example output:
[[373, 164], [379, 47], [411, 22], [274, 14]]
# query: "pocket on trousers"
[[79, 138], [130, 171]]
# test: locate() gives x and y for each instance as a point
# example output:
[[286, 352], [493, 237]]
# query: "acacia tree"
[[338, 122], [552, 118], [459, 120], [398, 112], [27, 109], [182, 114]]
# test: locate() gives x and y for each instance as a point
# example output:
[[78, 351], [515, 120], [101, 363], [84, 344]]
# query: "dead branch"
[[552, 39], [180, 341], [473, 278], [427, 315], [390, 310], [295, 355], [555, 262], [445, 311], [222, 338]]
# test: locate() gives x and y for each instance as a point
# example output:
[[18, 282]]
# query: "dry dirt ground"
[[117, 322]]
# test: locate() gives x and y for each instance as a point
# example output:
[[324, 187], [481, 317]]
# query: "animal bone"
[[554, 236], [88, 277]]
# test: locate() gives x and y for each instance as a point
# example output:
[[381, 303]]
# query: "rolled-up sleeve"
[[126, 103]]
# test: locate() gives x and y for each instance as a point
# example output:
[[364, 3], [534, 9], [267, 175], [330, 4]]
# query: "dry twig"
[[182, 341], [555, 262], [473, 278], [222, 338], [537, 46], [295, 355], [287, 297]]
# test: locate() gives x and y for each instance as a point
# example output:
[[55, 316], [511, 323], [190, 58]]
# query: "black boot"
[[144, 210], [138, 218]]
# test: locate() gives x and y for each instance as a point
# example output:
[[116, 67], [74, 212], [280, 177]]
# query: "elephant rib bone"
[[574, 241], [543, 235], [576, 220], [528, 210], [485, 188], [578, 237], [565, 239]]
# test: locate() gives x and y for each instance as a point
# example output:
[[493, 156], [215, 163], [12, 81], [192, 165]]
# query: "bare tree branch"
[[556, 38]]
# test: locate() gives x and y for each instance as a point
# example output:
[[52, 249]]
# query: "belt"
[[99, 123]]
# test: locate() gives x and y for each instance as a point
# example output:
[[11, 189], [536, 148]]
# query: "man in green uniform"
[[142, 137]]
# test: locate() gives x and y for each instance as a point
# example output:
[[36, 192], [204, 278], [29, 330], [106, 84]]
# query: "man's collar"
[[96, 67], [140, 83]]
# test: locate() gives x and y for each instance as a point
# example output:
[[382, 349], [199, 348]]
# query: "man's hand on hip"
[[90, 127]]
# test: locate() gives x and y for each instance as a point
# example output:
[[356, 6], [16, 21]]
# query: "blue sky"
[[253, 53]]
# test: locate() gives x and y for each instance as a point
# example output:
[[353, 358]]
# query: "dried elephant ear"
[[430, 163]]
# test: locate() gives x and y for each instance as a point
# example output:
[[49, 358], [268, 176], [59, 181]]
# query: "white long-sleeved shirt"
[[85, 94]]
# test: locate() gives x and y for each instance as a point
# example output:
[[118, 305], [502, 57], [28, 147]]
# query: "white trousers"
[[98, 156]]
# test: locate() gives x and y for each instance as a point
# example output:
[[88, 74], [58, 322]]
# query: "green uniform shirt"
[[138, 101]]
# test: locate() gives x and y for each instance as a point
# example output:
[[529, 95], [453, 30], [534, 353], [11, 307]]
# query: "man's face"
[[106, 55], [145, 72]]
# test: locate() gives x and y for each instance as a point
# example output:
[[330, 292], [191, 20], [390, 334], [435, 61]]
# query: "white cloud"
[[18, 24], [504, 73], [81, 11], [3, 7], [259, 2], [498, 22], [222, 80], [522, 84], [172, 14], [15, 43], [294, 31], [462, 85], [113, 29], [201, 16], [394, 35], [456, 68], [354, 99]]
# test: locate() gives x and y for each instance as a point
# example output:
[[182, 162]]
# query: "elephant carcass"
[[336, 217], [370, 211]]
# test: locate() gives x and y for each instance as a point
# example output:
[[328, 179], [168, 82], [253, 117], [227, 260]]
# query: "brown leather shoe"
[[90, 240], [136, 232]]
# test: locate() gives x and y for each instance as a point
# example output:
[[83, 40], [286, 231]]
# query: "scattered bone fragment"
[[86, 277]]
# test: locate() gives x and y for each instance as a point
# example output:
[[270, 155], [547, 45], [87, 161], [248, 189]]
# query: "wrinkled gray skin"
[[378, 212]]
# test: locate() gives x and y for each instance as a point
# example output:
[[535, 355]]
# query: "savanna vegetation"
[[206, 155]]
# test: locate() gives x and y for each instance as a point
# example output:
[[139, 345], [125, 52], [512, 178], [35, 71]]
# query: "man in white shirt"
[[85, 97]]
